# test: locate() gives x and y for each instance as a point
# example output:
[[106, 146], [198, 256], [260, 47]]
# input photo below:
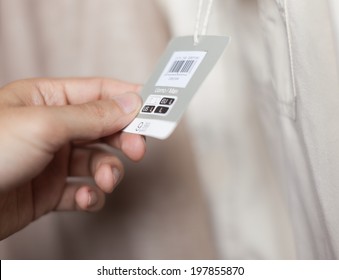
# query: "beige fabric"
[[286, 66], [252, 170], [240, 178]]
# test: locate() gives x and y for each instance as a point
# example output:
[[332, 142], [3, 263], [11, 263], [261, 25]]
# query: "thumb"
[[98, 118]]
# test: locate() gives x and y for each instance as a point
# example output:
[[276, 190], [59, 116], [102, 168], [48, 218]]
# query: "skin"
[[49, 131]]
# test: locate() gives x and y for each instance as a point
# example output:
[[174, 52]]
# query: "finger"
[[100, 118], [132, 145], [106, 169], [78, 91], [58, 125], [108, 178], [63, 91], [81, 197]]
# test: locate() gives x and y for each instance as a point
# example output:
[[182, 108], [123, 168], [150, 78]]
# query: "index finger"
[[65, 91], [85, 90]]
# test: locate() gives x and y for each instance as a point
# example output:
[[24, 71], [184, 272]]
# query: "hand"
[[47, 131]]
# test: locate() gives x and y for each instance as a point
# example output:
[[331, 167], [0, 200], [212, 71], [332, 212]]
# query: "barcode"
[[180, 69], [181, 66]]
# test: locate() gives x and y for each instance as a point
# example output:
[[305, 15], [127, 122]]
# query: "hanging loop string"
[[201, 30]]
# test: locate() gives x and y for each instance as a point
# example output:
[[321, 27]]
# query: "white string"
[[197, 32], [197, 23]]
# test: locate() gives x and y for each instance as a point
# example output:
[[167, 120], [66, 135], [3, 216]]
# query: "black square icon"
[[167, 101], [148, 109], [161, 110]]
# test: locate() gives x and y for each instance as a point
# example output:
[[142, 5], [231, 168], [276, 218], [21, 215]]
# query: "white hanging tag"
[[178, 75]]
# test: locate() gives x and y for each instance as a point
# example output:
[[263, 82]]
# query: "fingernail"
[[92, 198], [128, 102], [116, 175]]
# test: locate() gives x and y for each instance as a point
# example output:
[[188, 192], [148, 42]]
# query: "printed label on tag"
[[178, 75], [180, 69]]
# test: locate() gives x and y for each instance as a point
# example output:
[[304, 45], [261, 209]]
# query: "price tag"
[[177, 77]]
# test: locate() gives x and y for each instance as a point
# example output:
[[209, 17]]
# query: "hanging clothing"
[[251, 172]]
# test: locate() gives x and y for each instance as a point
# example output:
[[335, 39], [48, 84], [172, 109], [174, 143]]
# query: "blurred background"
[[215, 189]]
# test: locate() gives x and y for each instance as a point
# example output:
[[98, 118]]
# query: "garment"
[[239, 173], [286, 73], [251, 172]]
